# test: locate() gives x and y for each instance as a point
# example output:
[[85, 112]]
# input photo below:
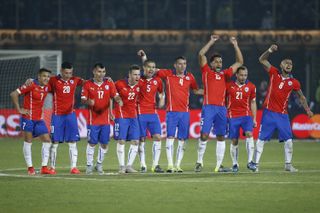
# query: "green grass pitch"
[[270, 190]]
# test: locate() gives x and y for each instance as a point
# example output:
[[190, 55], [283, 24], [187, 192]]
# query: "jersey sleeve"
[[193, 84], [163, 73], [253, 92], [24, 89], [228, 73], [205, 68], [160, 86], [273, 71], [85, 92], [296, 85], [80, 81], [113, 90], [51, 83]]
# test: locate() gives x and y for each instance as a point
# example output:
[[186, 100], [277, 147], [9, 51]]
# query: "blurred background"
[[112, 31]]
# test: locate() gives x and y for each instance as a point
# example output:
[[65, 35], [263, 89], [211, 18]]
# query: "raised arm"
[[304, 103], [239, 57], [263, 59], [143, 55], [253, 107], [202, 53]]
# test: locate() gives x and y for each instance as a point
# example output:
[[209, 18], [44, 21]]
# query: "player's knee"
[[235, 142], [122, 142], [156, 137], [104, 146], [142, 139], [135, 142], [220, 137], [248, 134], [204, 137]]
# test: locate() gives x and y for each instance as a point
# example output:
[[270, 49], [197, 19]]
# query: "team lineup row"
[[229, 97]]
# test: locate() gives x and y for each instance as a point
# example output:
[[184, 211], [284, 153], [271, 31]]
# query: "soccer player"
[[126, 127], [32, 122], [64, 125], [275, 114], [96, 93], [214, 112], [242, 112], [147, 113], [178, 85]]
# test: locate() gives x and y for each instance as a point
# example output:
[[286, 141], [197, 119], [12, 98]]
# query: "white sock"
[[288, 151], [133, 151], [156, 151], [73, 154], [45, 151], [258, 151], [180, 153], [27, 153], [234, 152], [202, 145], [250, 148], [101, 154], [220, 149], [170, 150], [90, 154], [53, 154], [120, 154], [142, 154]]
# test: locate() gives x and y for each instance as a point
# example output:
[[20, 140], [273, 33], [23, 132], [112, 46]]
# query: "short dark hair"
[[148, 61], [134, 67], [98, 65], [180, 58], [241, 68], [215, 55], [41, 70], [66, 65]]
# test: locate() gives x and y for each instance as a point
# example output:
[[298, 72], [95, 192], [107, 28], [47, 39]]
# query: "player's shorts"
[[214, 116], [245, 122], [272, 121], [36, 127], [150, 122], [180, 120], [64, 128], [98, 133], [126, 129]]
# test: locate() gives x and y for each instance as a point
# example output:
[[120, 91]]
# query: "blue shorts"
[[272, 121], [64, 128], [214, 116], [36, 127], [245, 122], [150, 122], [126, 129], [98, 133], [180, 120]]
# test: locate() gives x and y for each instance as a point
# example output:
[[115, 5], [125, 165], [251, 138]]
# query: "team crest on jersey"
[[188, 78], [46, 89], [138, 89], [92, 88], [71, 81], [246, 89], [155, 82], [290, 83], [107, 87]]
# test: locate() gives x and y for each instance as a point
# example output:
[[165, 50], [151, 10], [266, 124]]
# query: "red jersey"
[[177, 90], [101, 94], [279, 91], [215, 85], [239, 99], [34, 96], [129, 96], [147, 96], [63, 94]]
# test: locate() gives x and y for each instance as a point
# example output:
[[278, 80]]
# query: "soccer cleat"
[[179, 170], [170, 169], [46, 171], [222, 169], [143, 169], [53, 170], [122, 169], [75, 171], [89, 170], [157, 169], [198, 167], [99, 168], [31, 171], [252, 166], [129, 169], [289, 168], [235, 168]]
